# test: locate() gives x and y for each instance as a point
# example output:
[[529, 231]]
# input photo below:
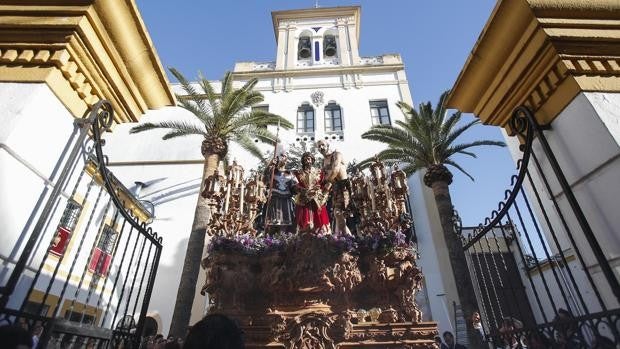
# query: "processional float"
[[309, 290]]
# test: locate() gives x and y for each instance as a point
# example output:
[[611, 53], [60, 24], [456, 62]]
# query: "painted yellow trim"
[[79, 307], [84, 53], [52, 300], [540, 53], [37, 297]]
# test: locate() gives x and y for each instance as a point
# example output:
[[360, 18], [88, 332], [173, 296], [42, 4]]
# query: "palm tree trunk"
[[193, 257], [462, 278]]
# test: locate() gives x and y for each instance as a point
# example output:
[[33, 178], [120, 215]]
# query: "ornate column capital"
[[540, 53], [86, 52]]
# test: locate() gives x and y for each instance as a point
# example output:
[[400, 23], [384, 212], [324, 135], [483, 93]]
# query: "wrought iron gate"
[[540, 275], [85, 275]]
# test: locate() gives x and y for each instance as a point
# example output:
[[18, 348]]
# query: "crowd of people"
[[564, 333], [214, 331]]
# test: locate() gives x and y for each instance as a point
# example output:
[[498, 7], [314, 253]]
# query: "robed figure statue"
[[279, 215], [310, 211]]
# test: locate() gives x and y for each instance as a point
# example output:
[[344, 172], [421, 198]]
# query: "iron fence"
[[541, 277], [85, 275]]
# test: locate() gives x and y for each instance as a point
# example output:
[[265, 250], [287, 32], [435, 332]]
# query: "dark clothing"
[[456, 346], [280, 209]]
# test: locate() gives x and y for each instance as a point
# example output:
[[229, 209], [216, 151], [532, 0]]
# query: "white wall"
[[36, 129], [171, 171], [36, 138], [585, 140]]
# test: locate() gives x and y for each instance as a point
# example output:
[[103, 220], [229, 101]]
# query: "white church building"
[[321, 84], [318, 81]]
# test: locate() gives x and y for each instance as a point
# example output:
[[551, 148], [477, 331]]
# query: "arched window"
[[333, 117], [305, 118]]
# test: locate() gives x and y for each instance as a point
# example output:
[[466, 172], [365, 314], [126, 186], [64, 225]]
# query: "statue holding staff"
[[280, 212]]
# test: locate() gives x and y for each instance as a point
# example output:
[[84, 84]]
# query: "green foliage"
[[226, 116], [426, 137]]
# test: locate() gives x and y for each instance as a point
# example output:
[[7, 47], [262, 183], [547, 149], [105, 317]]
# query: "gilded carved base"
[[312, 293]]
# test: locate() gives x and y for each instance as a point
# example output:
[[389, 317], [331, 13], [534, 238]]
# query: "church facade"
[[318, 81], [321, 84]]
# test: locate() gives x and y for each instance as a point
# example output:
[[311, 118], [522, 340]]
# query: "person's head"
[[281, 161], [37, 330], [307, 159], [15, 337], [537, 340], [448, 337], [475, 317], [323, 147], [214, 331]]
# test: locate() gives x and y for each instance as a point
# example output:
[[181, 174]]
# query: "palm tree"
[[426, 140], [220, 119]]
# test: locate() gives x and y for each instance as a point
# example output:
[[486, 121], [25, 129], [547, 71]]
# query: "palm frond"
[[260, 133], [458, 167], [227, 83], [174, 125], [180, 133], [269, 119], [468, 153], [387, 134], [459, 131], [425, 137], [460, 147], [450, 123], [192, 106], [249, 145], [188, 87], [209, 92]]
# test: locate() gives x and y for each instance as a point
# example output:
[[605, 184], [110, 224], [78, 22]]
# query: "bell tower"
[[317, 37]]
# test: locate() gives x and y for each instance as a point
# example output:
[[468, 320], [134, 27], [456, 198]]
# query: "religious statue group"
[[298, 199], [304, 200]]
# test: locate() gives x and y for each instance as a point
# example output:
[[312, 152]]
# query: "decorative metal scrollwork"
[[101, 118], [522, 124]]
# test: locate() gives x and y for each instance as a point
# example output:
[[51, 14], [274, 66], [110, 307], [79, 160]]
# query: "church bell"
[[304, 48], [329, 46]]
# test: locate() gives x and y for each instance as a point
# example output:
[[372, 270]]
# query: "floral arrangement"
[[383, 242], [249, 244]]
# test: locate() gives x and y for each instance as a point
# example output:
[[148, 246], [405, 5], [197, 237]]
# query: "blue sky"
[[434, 39]]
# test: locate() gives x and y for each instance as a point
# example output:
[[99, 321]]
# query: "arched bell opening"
[[330, 46], [304, 47]]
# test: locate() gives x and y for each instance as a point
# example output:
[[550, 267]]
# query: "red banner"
[[100, 267], [61, 240]]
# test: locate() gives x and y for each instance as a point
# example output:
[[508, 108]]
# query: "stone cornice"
[[540, 53], [351, 13], [320, 71], [85, 50]]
